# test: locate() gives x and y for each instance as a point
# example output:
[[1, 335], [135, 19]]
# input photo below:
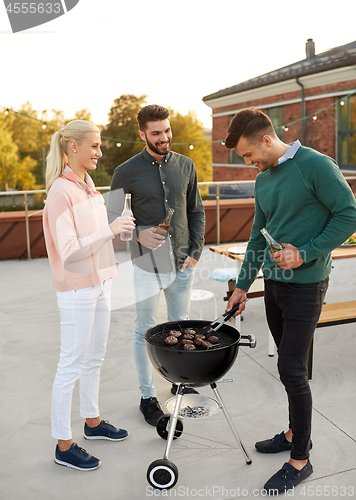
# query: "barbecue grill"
[[195, 368]]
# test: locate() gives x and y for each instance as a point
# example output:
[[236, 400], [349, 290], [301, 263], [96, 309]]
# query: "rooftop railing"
[[218, 184]]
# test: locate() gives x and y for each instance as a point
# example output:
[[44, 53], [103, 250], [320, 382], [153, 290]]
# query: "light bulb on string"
[[223, 143], [44, 126], [285, 128], [315, 117], [118, 144], [7, 111], [342, 103], [191, 146]]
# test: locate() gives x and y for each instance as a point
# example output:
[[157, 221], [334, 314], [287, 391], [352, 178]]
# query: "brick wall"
[[320, 134]]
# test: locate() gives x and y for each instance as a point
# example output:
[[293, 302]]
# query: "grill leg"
[[229, 421], [173, 421]]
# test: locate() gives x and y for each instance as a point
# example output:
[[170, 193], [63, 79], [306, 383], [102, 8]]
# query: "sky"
[[173, 52]]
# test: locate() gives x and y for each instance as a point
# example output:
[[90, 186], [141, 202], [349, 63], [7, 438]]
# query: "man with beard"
[[305, 203], [159, 179]]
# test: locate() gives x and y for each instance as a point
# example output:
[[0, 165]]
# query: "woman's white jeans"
[[177, 289], [85, 321]]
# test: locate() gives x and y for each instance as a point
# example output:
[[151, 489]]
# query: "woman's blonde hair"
[[58, 152]]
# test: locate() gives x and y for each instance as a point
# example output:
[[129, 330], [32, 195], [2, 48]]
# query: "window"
[[347, 134], [234, 157], [277, 118]]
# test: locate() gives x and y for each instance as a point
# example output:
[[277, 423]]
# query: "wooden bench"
[[337, 313]]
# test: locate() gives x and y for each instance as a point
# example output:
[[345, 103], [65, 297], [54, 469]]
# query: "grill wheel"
[[162, 427]]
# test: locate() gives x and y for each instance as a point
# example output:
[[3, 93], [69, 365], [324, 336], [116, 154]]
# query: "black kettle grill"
[[194, 368]]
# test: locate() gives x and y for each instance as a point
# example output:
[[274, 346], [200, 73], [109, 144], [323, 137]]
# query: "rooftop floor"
[[209, 462]]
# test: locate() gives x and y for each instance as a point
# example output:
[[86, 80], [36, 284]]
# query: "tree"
[[31, 138], [15, 173], [122, 126], [186, 130], [8, 158], [82, 114]]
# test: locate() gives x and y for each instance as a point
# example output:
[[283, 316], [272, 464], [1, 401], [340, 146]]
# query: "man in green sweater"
[[304, 202]]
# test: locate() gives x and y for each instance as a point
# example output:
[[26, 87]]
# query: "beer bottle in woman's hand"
[[127, 236]]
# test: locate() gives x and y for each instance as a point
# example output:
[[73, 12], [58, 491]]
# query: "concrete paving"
[[209, 462]]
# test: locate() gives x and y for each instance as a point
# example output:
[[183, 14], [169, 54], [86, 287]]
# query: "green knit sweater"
[[304, 201]]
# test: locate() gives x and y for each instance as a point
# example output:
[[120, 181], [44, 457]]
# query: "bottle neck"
[[268, 237], [128, 202], [167, 220]]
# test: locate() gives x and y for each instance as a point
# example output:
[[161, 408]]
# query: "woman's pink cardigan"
[[77, 234]]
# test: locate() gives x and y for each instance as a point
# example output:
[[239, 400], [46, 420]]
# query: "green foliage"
[[122, 125], [8, 157], [24, 143], [32, 143], [188, 129], [82, 114]]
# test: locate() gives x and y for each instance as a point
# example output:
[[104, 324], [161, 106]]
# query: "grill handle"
[[251, 341]]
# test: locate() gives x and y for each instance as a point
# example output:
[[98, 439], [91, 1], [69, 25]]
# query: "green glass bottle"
[[273, 244]]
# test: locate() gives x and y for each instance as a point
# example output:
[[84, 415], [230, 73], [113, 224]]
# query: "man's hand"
[[237, 296], [288, 258], [150, 239], [189, 262]]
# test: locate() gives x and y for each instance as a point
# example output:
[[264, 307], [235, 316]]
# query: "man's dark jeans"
[[293, 311]]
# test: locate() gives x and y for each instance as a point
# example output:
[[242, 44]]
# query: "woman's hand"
[[123, 224]]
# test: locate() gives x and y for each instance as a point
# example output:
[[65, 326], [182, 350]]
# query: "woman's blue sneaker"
[[105, 431], [76, 458]]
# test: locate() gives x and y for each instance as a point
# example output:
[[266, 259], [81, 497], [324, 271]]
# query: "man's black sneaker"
[[151, 410], [76, 458], [105, 431], [276, 444], [187, 390]]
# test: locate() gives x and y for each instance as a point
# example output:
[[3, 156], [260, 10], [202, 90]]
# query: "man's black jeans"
[[293, 311]]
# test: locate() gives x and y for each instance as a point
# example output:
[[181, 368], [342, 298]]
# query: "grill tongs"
[[220, 321]]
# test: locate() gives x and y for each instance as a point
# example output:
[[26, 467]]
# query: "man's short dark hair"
[[249, 123], [151, 113]]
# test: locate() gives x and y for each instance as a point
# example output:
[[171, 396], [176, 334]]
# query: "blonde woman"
[[80, 251]]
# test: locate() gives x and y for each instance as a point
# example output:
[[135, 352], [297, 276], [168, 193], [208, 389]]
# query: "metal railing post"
[[217, 214], [27, 229]]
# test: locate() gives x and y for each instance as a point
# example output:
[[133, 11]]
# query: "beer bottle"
[[166, 224], [273, 244], [127, 236]]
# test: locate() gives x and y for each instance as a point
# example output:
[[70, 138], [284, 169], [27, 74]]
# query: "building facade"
[[313, 100]]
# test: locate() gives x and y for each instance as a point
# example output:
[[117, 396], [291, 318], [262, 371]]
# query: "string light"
[[191, 145]]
